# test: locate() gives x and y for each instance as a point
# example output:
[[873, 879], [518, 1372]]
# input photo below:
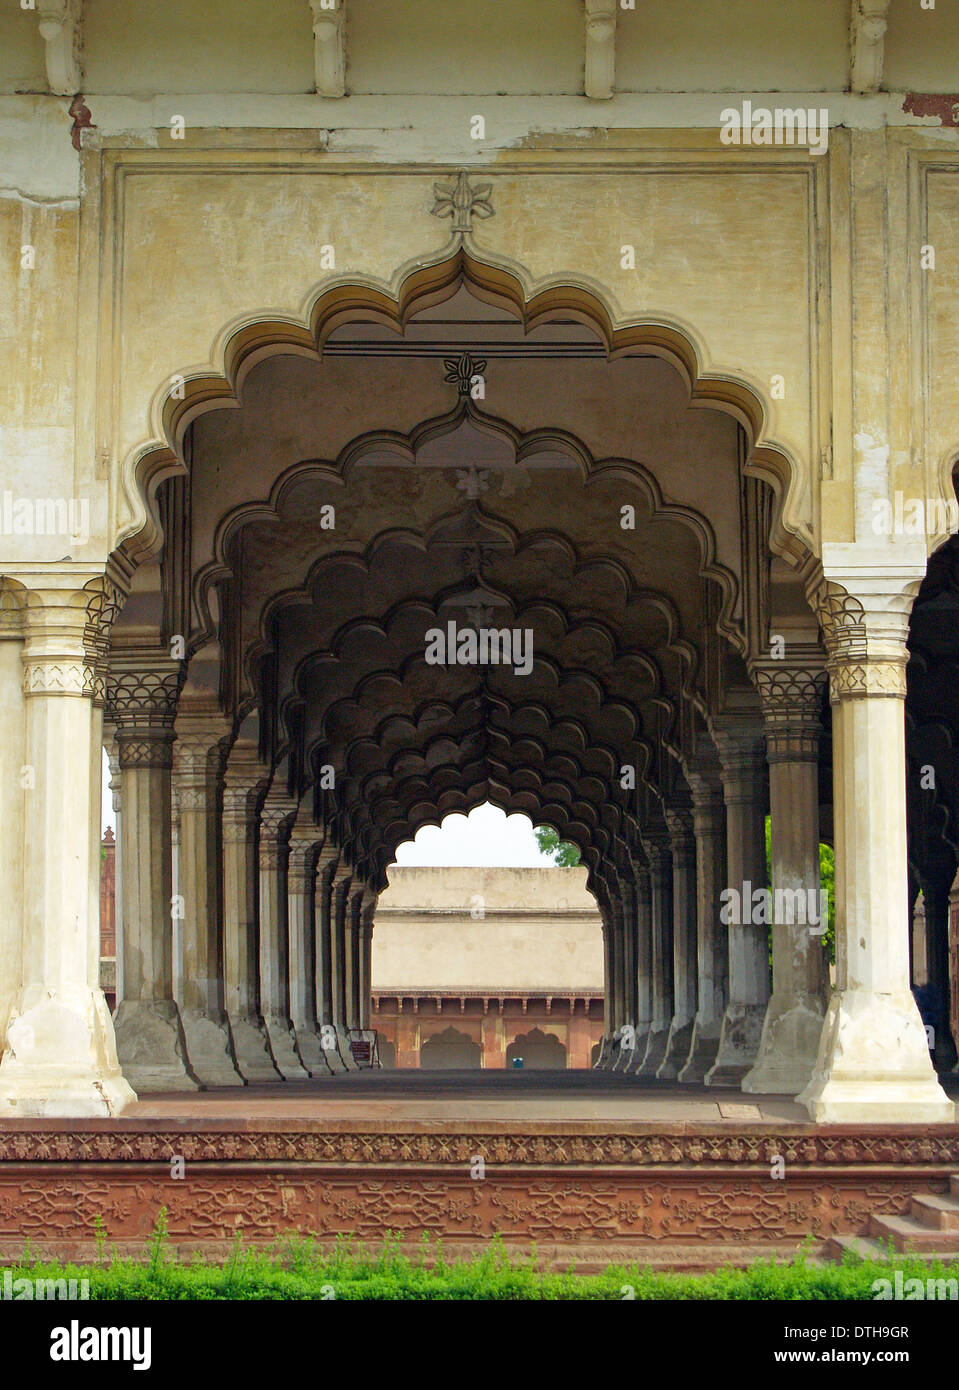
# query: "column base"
[[703, 1047], [309, 1049], [208, 1050], [788, 1047], [655, 1053], [738, 1044], [330, 1042], [623, 1058], [874, 1065], [677, 1049], [346, 1055], [252, 1051], [59, 1060], [283, 1050], [151, 1046], [609, 1047], [633, 1056]]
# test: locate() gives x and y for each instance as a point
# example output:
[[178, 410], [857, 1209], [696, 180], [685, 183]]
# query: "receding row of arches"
[[634, 651]]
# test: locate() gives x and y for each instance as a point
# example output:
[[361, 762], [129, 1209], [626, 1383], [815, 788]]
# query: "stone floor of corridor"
[[479, 1095]]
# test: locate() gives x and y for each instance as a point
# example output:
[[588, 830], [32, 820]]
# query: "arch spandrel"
[[779, 438]]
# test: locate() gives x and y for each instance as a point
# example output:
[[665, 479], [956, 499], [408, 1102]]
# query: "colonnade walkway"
[[479, 1095]]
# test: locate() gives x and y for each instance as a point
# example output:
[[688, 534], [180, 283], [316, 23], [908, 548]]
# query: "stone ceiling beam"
[[867, 44], [329, 47], [600, 49], [60, 30]]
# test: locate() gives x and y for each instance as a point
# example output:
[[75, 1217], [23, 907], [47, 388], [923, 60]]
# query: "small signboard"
[[360, 1049]]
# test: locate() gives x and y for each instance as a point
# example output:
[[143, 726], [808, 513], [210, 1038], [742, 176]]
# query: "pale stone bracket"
[[462, 201], [600, 49], [867, 35], [60, 30], [329, 47]]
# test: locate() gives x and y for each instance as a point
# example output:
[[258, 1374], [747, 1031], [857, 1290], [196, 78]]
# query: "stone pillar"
[[643, 907], [742, 755], [937, 872], [682, 845], [142, 695], [325, 920], [275, 818], [244, 778], [873, 1062], [792, 699], [709, 824], [407, 1040], [624, 1057], [17, 786], [579, 1036], [661, 893], [59, 1057], [300, 878], [341, 947], [197, 768], [113, 754], [352, 955], [364, 976], [493, 1039]]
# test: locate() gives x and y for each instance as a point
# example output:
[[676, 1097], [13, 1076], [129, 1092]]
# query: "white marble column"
[[873, 1063], [17, 787], [142, 693], [625, 1058], [661, 895], [197, 768], [712, 961], [341, 944], [792, 1026], [325, 920], [115, 784], [364, 979], [275, 818], [244, 780], [685, 951], [742, 754], [643, 909], [300, 880], [59, 1057], [354, 921]]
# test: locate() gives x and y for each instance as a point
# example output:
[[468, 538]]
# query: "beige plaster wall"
[[541, 930]]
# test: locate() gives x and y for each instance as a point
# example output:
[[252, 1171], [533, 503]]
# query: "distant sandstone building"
[[476, 967]]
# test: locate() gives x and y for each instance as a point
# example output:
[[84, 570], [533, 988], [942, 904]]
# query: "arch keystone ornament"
[[461, 201], [873, 1062]]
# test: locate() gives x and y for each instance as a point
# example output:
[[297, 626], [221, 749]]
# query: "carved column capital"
[[141, 705], [709, 809], [658, 847], [791, 698], [56, 656], [864, 615]]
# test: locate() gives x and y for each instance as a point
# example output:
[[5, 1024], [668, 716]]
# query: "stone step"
[[863, 1246], [869, 1248], [908, 1236], [938, 1213]]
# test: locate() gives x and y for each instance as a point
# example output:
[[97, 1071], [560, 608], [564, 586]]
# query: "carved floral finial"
[[461, 201]]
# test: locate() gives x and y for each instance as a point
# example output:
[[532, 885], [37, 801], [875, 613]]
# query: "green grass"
[[299, 1268]]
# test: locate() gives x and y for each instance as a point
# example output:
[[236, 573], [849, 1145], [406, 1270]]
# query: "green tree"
[[564, 854]]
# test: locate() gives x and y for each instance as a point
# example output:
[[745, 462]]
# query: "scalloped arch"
[[419, 283]]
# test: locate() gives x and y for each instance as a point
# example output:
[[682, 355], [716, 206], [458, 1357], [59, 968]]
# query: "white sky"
[[486, 837]]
